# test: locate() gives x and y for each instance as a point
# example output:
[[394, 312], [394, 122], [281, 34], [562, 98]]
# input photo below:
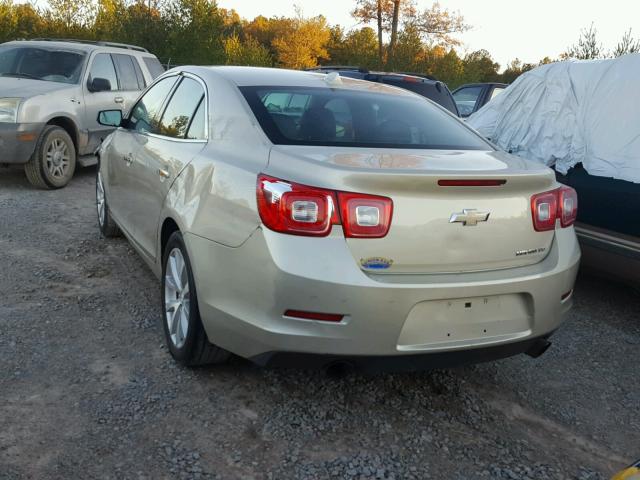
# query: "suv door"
[[125, 82], [126, 142], [178, 136]]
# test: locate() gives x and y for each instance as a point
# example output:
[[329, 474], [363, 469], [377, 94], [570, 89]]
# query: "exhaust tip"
[[538, 348]]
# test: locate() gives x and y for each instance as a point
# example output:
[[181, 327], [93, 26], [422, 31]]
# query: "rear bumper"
[[18, 141], [243, 293], [404, 363]]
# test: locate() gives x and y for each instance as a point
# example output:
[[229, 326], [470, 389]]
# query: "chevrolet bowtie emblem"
[[469, 216]]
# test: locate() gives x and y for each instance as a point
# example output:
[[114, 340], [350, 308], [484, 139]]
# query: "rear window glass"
[[352, 118], [155, 67]]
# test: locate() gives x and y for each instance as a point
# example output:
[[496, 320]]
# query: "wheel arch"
[[69, 126], [169, 226]]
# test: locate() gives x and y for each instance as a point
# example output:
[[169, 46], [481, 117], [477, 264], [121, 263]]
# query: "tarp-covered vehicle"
[[583, 118]]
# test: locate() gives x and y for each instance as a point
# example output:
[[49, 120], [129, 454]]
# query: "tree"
[[247, 52], [437, 25], [627, 45], [302, 45], [358, 47], [366, 11], [588, 46], [480, 67]]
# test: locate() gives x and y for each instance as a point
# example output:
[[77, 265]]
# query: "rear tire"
[[183, 329], [107, 226], [53, 162]]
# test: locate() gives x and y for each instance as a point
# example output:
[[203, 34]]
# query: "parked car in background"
[[294, 216], [566, 115], [424, 85], [50, 94], [471, 97]]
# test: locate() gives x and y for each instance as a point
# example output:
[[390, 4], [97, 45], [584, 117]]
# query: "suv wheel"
[[107, 226], [184, 333], [54, 160]]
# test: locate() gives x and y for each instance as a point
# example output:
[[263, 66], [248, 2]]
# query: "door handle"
[[118, 100], [128, 158], [163, 173]]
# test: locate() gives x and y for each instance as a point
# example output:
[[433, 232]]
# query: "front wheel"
[[184, 333], [53, 161]]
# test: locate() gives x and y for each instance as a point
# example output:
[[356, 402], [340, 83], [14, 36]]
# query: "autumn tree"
[[246, 52], [304, 44]]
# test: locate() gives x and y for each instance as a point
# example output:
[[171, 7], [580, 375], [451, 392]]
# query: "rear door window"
[[180, 111], [126, 72]]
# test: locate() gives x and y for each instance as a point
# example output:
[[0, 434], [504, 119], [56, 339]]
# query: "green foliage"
[[247, 52]]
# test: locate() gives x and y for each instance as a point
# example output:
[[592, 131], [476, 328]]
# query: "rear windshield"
[[352, 118]]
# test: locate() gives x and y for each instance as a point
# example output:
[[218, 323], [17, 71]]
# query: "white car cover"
[[569, 112]]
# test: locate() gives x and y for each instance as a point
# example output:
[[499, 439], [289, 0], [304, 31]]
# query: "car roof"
[[78, 45], [258, 76], [481, 84]]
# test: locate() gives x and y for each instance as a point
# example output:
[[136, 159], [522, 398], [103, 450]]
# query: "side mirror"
[[110, 118], [99, 85]]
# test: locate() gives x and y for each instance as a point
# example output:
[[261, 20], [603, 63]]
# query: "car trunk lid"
[[437, 226]]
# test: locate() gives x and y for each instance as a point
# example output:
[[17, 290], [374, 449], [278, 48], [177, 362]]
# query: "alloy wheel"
[[177, 297], [57, 158], [100, 200]]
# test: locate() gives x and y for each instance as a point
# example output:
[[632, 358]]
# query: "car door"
[[122, 169], [176, 139]]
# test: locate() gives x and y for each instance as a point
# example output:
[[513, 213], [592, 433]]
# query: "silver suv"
[[50, 94]]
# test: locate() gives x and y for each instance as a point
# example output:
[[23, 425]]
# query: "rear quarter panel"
[[215, 195]]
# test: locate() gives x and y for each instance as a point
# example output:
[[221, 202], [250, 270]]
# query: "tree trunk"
[[380, 46], [394, 29]]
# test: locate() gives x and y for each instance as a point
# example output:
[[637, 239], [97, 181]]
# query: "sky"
[[508, 29]]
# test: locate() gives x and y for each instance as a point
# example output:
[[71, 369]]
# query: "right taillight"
[[567, 206], [559, 204], [296, 209]]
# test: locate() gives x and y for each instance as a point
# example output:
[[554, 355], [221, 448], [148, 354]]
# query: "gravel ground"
[[87, 389]]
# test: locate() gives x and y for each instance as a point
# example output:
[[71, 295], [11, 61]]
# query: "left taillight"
[[296, 209], [559, 204]]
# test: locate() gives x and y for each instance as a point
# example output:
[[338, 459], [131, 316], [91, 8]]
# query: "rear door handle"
[[118, 100], [163, 173]]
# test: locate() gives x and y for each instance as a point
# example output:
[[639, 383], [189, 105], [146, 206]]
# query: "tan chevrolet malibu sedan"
[[310, 219]]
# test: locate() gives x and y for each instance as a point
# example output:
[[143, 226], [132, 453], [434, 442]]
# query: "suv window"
[[129, 78], [466, 99], [181, 108], [353, 118], [102, 67], [496, 91], [144, 115], [154, 66]]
